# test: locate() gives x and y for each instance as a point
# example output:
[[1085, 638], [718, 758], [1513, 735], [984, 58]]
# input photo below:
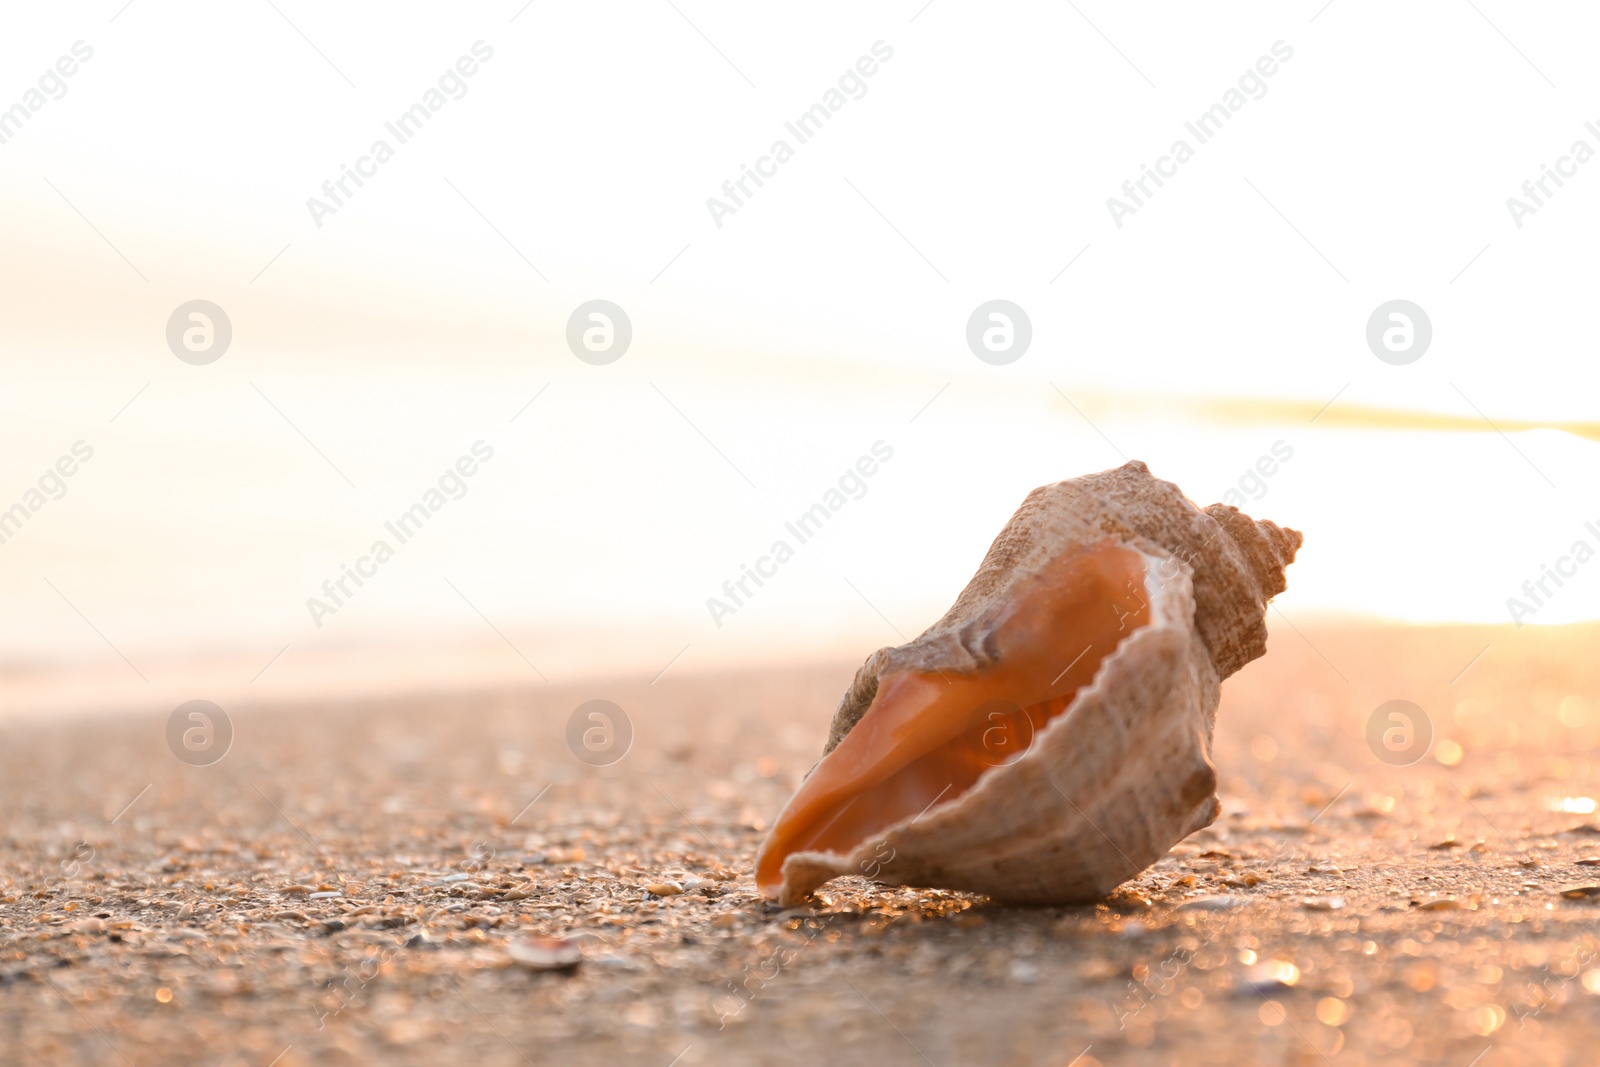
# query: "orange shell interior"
[[929, 736]]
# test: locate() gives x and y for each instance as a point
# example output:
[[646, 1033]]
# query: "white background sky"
[[820, 318]]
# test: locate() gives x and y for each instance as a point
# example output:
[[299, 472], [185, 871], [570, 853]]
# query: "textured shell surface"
[[1108, 785]]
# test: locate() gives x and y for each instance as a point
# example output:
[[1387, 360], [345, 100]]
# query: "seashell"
[[1049, 738]]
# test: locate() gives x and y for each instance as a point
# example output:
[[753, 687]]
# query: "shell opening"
[[929, 736]]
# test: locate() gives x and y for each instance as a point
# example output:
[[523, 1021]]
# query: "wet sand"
[[344, 885]]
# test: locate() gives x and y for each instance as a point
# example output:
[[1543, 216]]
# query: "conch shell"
[[1050, 737]]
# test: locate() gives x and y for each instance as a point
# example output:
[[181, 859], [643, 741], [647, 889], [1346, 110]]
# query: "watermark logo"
[[1538, 590], [1399, 332], [199, 332], [999, 332], [599, 732], [1209, 123], [51, 486], [852, 85], [756, 976], [451, 85], [1252, 484], [851, 485], [599, 332], [51, 86], [199, 733], [1003, 731], [451, 485], [1566, 167], [1399, 733], [337, 997]]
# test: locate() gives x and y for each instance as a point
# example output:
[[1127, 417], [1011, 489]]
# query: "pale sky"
[[769, 353]]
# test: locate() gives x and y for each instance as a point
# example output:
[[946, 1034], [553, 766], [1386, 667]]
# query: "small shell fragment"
[[1440, 904], [664, 889], [1218, 903], [546, 953]]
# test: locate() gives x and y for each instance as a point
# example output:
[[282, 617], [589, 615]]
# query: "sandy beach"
[[455, 457], [346, 884]]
